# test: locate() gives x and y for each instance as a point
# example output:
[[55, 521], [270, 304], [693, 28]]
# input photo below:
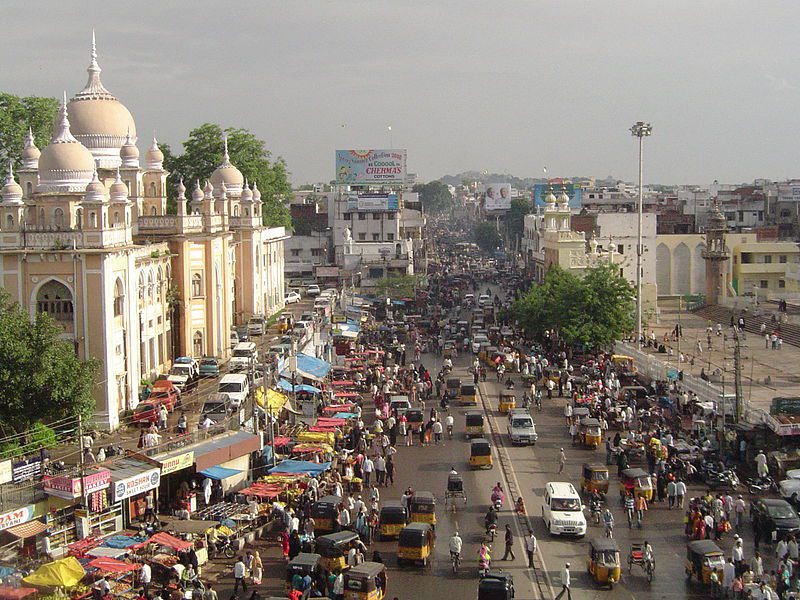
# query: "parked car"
[[776, 515], [790, 490], [147, 412], [209, 366], [313, 290], [255, 326], [243, 335], [291, 298], [192, 363], [217, 407], [522, 430], [234, 339], [165, 392]]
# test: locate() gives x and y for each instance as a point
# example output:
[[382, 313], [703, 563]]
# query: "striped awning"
[[26, 530]]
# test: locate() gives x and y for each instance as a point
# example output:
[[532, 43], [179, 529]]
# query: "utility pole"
[[737, 376], [641, 130]]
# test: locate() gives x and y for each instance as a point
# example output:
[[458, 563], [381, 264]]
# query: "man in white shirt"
[[567, 411], [530, 548], [380, 470], [367, 468], [761, 464], [145, 577], [565, 583]]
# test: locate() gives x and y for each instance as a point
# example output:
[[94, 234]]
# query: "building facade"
[[85, 237]]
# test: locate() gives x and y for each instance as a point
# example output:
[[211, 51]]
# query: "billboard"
[[372, 202], [573, 191], [496, 196], [360, 167]]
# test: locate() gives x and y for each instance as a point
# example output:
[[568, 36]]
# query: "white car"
[[333, 293], [522, 430], [291, 298], [313, 290], [562, 510], [790, 490]]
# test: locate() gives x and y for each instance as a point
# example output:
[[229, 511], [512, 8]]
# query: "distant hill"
[[525, 183]]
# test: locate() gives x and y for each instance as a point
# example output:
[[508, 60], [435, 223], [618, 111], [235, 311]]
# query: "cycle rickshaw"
[[637, 557], [455, 490]]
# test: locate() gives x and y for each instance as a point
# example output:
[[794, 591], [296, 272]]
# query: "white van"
[[562, 510], [243, 356], [236, 386]]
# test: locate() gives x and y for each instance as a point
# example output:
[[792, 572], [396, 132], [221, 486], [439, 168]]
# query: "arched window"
[[119, 298], [9, 221], [236, 210], [197, 286], [93, 219], [197, 343], [153, 211], [246, 212], [29, 189], [41, 217], [79, 218], [150, 287], [141, 287], [159, 285], [58, 218], [115, 220], [152, 189], [55, 299]]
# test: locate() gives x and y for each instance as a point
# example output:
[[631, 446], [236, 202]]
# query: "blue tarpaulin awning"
[[308, 367], [300, 466], [345, 415], [219, 472], [286, 386]]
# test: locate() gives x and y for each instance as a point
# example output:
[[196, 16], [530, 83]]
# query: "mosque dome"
[[65, 165], [99, 120], [154, 158], [256, 192], [228, 174], [197, 193], [247, 193], [12, 191], [30, 153], [129, 153], [118, 190], [95, 191]]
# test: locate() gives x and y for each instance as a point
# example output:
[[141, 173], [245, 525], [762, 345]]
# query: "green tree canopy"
[[594, 310], [41, 379], [397, 287], [486, 236], [203, 152], [17, 113], [435, 197], [515, 219]]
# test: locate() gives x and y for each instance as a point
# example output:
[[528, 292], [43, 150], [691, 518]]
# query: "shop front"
[[133, 480], [97, 513], [19, 532], [177, 490]]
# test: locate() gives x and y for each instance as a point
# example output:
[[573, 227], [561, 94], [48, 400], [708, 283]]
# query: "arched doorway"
[[683, 269], [663, 270]]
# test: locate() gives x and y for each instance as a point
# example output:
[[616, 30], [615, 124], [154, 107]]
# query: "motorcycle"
[[497, 499], [224, 547], [538, 401], [483, 565], [509, 384], [725, 479], [455, 559], [491, 531], [596, 511], [450, 431], [759, 485]]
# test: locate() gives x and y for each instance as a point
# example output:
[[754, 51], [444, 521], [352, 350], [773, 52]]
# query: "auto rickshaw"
[[507, 401], [480, 453], [589, 432], [580, 412], [366, 581], [333, 549], [453, 388], [324, 511], [604, 565], [469, 395], [423, 508], [455, 489], [415, 419], [496, 585], [475, 425], [391, 519], [415, 543], [305, 563], [637, 482], [594, 478], [702, 557], [491, 351], [283, 323]]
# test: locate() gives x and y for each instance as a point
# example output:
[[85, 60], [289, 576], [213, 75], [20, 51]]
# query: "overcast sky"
[[491, 85]]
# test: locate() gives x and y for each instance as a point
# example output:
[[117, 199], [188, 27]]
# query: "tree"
[[203, 152], [397, 287], [41, 379], [593, 310], [515, 219], [435, 196], [17, 113], [486, 236]]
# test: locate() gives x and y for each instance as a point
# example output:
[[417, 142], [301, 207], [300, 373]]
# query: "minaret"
[[716, 256]]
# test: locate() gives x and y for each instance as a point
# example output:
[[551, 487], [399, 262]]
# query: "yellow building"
[[85, 237], [762, 267]]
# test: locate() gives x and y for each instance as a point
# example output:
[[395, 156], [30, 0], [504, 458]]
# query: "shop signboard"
[[177, 463], [324, 271], [71, 487], [496, 196], [339, 318], [136, 484], [25, 469], [782, 429], [17, 517], [371, 166], [785, 406]]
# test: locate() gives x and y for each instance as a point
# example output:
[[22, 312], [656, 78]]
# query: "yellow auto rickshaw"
[[703, 557], [468, 395], [480, 453], [475, 425], [637, 482], [491, 351], [325, 513], [604, 564], [305, 563], [453, 386], [391, 519], [508, 401], [415, 544], [283, 323], [594, 478], [333, 549], [423, 508], [366, 581], [589, 432]]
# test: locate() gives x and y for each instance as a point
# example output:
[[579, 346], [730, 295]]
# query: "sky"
[[497, 86]]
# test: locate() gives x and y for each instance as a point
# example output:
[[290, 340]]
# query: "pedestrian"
[[509, 540], [380, 470], [562, 461], [210, 593], [163, 417], [573, 432], [608, 450], [728, 575], [437, 431], [672, 493], [145, 577], [680, 492], [565, 583], [257, 568], [530, 547], [389, 471], [239, 572], [641, 507], [737, 555], [738, 511], [367, 468]]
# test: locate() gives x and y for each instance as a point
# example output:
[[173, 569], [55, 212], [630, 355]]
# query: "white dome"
[[129, 153], [228, 174], [154, 158], [12, 191], [30, 153], [95, 191], [65, 165], [118, 191], [100, 121]]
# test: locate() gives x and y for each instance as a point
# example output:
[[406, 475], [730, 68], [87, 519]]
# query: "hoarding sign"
[[574, 192], [5, 471], [177, 463], [496, 196], [17, 517], [137, 484], [373, 202], [371, 166]]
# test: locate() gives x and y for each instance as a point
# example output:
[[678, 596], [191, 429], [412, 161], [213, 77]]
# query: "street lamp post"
[[641, 130]]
